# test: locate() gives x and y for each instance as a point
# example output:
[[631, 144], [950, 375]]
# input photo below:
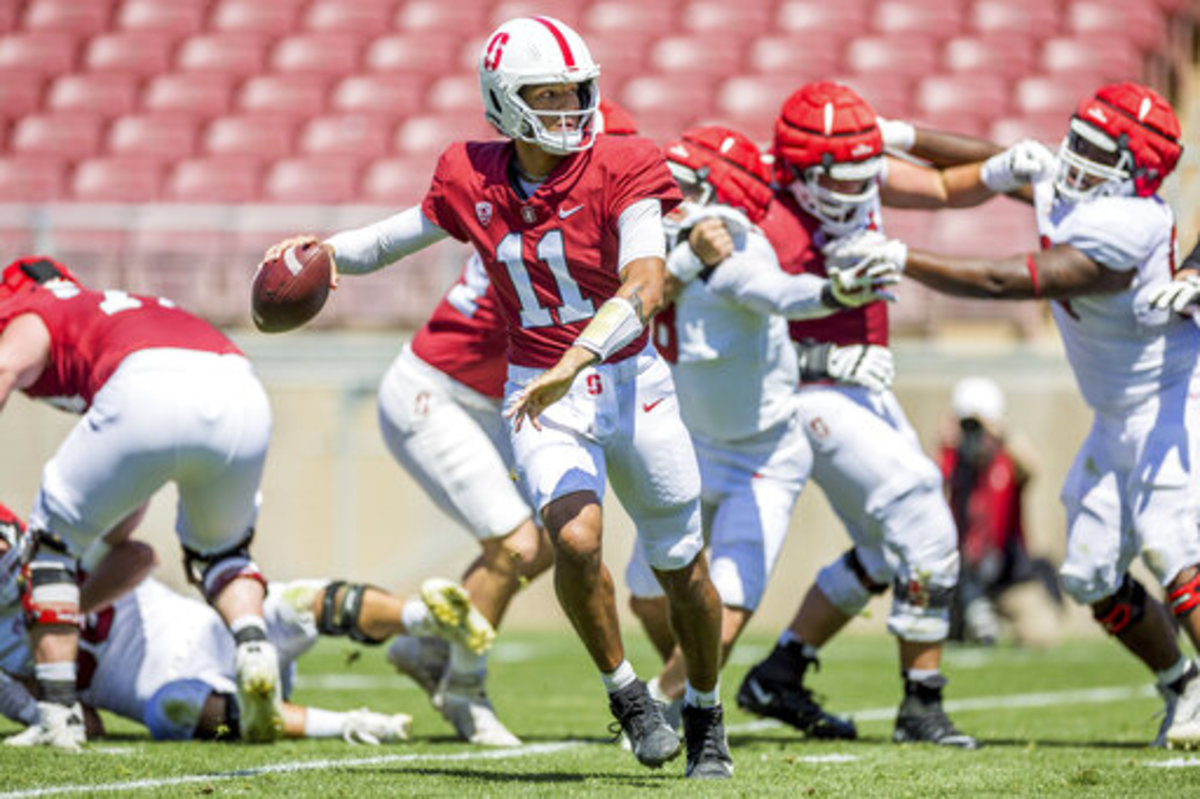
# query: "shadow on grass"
[[617, 780], [736, 741]]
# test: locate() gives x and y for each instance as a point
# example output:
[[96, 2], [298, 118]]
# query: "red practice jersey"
[[91, 332], [552, 258], [791, 232]]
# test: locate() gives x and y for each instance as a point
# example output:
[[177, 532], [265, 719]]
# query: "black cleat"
[[793, 704], [922, 720], [641, 718], [707, 750]]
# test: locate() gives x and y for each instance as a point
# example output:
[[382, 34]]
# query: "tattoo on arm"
[[635, 299]]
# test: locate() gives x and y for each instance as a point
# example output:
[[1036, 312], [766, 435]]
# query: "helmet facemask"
[[840, 195], [1093, 164], [575, 130], [697, 193]]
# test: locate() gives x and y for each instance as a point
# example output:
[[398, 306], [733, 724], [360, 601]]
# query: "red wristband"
[[1031, 265]]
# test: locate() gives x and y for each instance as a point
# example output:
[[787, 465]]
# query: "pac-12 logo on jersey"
[[483, 212]]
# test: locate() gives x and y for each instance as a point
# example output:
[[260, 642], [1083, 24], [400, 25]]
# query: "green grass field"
[[1072, 722]]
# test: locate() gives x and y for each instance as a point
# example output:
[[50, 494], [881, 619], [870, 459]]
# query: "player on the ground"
[[569, 229], [736, 374], [1107, 259], [165, 397]]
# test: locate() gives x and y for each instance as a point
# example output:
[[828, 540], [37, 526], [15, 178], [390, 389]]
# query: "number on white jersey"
[[574, 306]]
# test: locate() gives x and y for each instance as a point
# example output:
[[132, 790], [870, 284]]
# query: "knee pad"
[[342, 614], [1184, 599], [920, 609], [1123, 609], [847, 585], [212, 572], [173, 711], [49, 579]]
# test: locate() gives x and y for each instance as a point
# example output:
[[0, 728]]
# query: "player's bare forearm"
[[944, 149], [1058, 273], [643, 284], [549, 387]]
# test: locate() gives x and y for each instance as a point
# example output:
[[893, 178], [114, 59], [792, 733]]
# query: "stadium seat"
[[290, 94], [751, 102], [454, 93], [397, 181], [117, 180], [414, 53], [109, 95], [1036, 19], [966, 123], [262, 135], [629, 16], [739, 20], [940, 19], [996, 229], [317, 53], [238, 54], [652, 94], [29, 179], [253, 16], [312, 180], [367, 17], [843, 19], [976, 95], [890, 94], [48, 52], [569, 11], [166, 136], [178, 18], [361, 134], [20, 91], [200, 94], [396, 95], [1009, 55], [808, 56], [620, 55], [460, 17], [1109, 57], [914, 56], [134, 52], [1141, 23], [65, 134], [430, 134], [1036, 94], [711, 54], [1048, 127], [215, 180], [67, 15]]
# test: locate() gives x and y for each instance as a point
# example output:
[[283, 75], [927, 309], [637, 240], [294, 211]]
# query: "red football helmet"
[[24, 274], [1123, 141], [614, 120], [725, 165], [829, 152]]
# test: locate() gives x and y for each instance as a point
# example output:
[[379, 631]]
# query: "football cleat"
[[455, 619], [1183, 719], [368, 727], [1170, 702], [707, 749], [58, 726], [425, 660], [259, 694], [922, 720], [641, 718], [793, 704], [462, 700]]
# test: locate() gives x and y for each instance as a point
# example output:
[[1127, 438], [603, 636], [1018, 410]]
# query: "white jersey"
[[1122, 352]]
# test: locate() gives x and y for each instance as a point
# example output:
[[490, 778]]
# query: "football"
[[291, 289]]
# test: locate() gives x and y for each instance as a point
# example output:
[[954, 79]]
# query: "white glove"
[[866, 282], [364, 726], [1024, 162], [846, 252], [897, 135], [867, 365], [1177, 295]]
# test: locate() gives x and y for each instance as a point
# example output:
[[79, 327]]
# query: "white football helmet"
[[530, 51]]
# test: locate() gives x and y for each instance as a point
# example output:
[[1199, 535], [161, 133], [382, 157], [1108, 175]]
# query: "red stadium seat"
[[938, 18], [1044, 93], [235, 53], [1036, 19], [1111, 57], [914, 56], [290, 94], [20, 91], [740, 20], [166, 136], [397, 181], [966, 123], [454, 93], [317, 53], [629, 16], [67, 15], [135, 53], [394, 95], [1048, 127], [109, 95], [299, 181], [711, 54], [119, 180], [414, 53], [264, 136], [215, 180], [49, 52], [65, 134], [753, 101], [460, 17], [620, 55], [808, 56], [364, 135], [653, 94], [998, 228], [32, 179], [1141, 23], [843, 19], [367, 17], [888, 93], [177, 18], [569, 11], [430, 134], [976, 94], [254, 16], [1009, 55], [200, 94]]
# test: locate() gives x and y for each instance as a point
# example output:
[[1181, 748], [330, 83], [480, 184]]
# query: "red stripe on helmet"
[[568, 58]]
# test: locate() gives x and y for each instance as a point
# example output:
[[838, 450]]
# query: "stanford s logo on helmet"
[[728, 162], [1123, 141], [531, 51], [825, 130], [29, 272]]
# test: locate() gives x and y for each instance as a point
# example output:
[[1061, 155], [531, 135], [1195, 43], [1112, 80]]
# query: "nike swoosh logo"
[[649, 406], [761, 696], [563, 213]]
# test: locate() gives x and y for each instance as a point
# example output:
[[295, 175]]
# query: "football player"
[[1106, 261], [569, 229], [165, 397]]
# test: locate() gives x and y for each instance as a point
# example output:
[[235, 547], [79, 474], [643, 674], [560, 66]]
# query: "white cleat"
[[58, 726], [364, 726], [462, 701], [1183, 722], [425, 660], [456, 619], [259, 695]]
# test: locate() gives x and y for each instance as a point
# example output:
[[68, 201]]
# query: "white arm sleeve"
[[375, 246], [641, 232], [751, 277]]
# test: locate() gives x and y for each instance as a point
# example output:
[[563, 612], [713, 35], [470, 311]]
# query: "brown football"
[[291, 289]]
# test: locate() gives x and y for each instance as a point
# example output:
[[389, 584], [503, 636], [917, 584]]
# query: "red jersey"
[[988, 517], [466, 337], [792, 232], [552, 257], [91, 332]]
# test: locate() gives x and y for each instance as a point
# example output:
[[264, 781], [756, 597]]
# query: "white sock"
[[464, 661], [1168, 676], [320, 723], [656, 692], [415, 616], [921, 675], [619, 677], [702, 698]]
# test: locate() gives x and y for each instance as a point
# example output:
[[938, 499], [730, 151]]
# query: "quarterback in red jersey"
[[569, 229], [165, 397]]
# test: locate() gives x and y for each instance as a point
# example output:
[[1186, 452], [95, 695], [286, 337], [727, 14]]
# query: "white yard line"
[[1046, 699]]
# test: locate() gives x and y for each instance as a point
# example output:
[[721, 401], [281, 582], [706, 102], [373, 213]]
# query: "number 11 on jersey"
[[550, 251]]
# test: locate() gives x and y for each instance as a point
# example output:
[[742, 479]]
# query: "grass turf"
[[1047, 728]]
